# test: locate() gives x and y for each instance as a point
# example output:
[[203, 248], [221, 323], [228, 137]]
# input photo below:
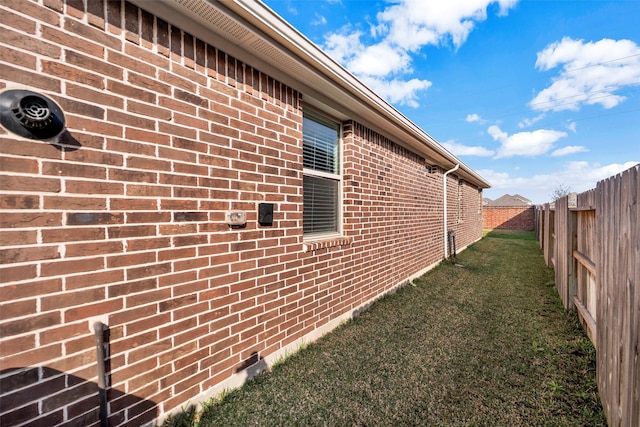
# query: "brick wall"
[[122, 221], [509, 217]]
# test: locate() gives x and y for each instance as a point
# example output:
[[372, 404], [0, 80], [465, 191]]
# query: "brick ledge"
[[314, 245]]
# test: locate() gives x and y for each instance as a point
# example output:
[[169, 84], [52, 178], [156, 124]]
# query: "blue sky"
[[533, 95]]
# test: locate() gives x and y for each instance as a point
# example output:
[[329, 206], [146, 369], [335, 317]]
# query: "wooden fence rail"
[[592, 240]]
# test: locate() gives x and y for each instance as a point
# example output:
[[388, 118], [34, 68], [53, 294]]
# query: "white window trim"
[[337, 177]]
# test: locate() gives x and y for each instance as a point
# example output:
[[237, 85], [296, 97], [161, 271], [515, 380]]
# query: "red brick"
[[29, 324], [62, 333], [94, 218], [148, 323], [149, 270], [19, 165], [176, 105], [91, 33], [148, 297], [27, 254], [17, 309], [146, 56], [79, 344], [134, 65], [146, 244], [95, 13], [74, 362], [38, 356], [61, 268], [150, 111], [81, 109], [66, 72], [74, 203], [93, 187], [94, 96], [93, 278], [17, 21], [131, 287], [134, 176], [27, 184], [61, 38], [85, 124], [131, 23], [134, 204], [131, 259], [131, 231], [91, 310], [15, 201], [18, 237], [150, 164], [17, 345], [31, 44]]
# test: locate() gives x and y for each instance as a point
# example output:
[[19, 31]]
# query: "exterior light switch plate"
[[236, 217]]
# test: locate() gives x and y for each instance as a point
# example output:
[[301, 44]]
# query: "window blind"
[[320, 204], [320, 144]]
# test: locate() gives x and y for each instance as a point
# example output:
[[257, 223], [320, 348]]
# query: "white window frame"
[[309, 236]]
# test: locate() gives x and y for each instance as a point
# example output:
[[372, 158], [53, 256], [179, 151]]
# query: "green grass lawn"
[[482, 341]]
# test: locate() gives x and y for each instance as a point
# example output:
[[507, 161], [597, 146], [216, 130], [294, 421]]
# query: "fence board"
[[549, 224], [618, 301], [565, 244], [604, 260]]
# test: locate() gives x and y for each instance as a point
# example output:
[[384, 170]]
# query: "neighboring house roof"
[[486, 201], [509, 200], [254, 34]]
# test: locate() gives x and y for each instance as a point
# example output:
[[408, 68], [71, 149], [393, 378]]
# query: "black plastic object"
[[451, 234], [265, 213], [30, 114]]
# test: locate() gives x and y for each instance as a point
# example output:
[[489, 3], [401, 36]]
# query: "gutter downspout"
[[444, 187]]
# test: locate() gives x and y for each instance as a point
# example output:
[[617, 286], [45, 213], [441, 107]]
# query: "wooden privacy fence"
[[592, 240]]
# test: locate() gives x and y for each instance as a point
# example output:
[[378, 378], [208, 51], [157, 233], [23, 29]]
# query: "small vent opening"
[[33, 112]]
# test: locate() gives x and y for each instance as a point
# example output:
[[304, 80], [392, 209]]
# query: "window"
[[322, 176]]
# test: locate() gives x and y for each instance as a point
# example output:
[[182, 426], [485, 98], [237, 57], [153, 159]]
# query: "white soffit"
[[255, 35]]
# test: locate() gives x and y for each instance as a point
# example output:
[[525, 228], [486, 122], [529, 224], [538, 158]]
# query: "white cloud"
[[529, 122], [570, 149], [524, 143], [341, 47], [591, 73], [579, 176], [572, 127], [465, 150], [398, 91], [402, 30], [319, 20], [415, 23], [379, 60], [474, 118]]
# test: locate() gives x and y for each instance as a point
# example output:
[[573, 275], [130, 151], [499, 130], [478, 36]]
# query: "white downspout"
[[444, 187]]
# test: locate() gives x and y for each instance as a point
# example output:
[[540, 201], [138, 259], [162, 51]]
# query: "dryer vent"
[[30, 114]]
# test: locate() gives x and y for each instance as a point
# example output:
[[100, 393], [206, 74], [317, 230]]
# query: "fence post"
[[547, 248]]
